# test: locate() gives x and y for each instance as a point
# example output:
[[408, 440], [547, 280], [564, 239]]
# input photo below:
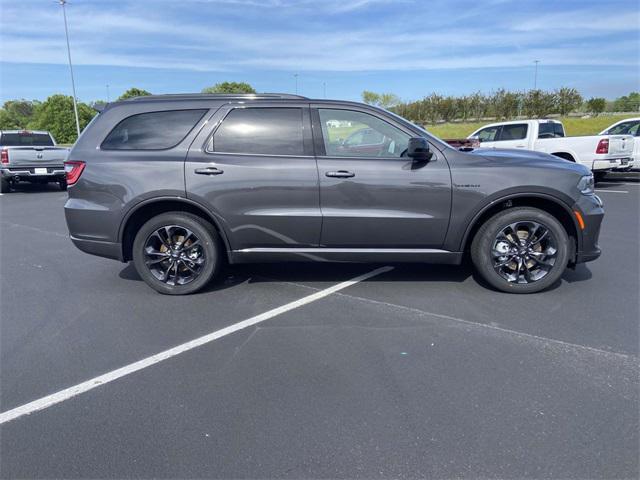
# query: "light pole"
[[324, 89], [73, 83], [108, 99], [535, 75], [296, 77]]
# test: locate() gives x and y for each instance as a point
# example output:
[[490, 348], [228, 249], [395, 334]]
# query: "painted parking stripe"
[[612, 191], [67, 393]]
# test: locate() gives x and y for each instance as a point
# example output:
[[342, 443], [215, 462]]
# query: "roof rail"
[[214, 96]]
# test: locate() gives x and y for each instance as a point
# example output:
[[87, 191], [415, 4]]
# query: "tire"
[[63, 185], [523, 268], [5, 186], [169, 272], [599, 176]]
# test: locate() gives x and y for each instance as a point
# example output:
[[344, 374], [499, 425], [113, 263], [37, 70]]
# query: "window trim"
[[318, 139], [204, 114], [306, 135]]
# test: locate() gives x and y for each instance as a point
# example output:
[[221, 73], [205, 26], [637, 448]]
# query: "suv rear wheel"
[[176, 253], [521, 250]]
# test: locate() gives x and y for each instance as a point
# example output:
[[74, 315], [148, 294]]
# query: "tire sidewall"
[[208, 240], [482, 244]]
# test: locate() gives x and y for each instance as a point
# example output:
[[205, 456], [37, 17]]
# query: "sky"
[[336, 47]]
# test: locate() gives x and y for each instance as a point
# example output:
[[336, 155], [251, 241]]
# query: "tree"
[[16, 114], [567, 100], [371, 98], [596, 105], [56, 115], [538, 103], [134, 92], [230, 87], [627, 103], [388, 100]]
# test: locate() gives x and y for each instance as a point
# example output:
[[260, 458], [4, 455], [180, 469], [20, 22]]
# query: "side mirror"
[[475, 138], [419, 150]]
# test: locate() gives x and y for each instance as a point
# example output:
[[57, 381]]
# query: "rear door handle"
[[208, 171], [340, 174]]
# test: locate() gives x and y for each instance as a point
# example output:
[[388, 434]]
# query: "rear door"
[[253, 167], [513, 136], [377, 197]]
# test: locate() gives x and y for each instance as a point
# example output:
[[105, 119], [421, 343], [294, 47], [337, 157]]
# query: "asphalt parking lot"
[[418, 371]]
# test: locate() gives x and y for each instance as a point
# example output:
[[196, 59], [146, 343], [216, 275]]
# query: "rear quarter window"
[[152, 130]]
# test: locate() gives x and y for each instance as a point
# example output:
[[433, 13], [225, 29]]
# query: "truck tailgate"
[[36, 156], [621, 145]]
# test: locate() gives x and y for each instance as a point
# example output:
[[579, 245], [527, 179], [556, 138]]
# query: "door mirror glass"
[[419, 149]]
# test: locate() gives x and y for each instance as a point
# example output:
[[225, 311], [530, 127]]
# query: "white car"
[[600, 153], [628, 126]]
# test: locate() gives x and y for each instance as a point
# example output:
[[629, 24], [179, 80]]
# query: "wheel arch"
[[561, 211], [566, 155], [147, 209]]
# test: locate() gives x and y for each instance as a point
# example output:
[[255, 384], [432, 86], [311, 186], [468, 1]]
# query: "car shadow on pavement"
[[292, 272]]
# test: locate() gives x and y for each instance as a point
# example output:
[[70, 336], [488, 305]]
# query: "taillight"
[[73, 171], [4, 156], [603, 146]]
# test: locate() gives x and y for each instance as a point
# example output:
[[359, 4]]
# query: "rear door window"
[[514, 132], [260, 131], [152, 130], [550, 130], [26, 139]]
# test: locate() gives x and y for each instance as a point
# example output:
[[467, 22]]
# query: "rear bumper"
[[591, 209], [99, 248], [604, 165], [53, 173]]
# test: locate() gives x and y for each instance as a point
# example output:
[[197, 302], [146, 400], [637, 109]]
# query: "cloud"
[[347, 35]]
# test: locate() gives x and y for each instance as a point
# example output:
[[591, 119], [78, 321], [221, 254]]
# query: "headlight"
[[586, 185]]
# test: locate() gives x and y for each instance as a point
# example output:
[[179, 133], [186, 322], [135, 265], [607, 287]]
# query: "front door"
[[253, 168], [371, 195]]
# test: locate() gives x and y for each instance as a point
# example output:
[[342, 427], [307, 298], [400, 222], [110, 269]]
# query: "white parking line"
[[612, 191], [67, 393]]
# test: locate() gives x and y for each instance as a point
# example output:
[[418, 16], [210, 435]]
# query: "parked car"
[[181, 184], [30, 156], [629, 126], [599, 153]]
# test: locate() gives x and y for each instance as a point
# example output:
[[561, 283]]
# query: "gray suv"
[[182, 184]]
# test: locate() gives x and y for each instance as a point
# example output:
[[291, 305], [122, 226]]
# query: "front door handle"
[[340, 174], [209, 171]]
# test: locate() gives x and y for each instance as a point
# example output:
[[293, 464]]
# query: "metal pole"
[[535, 75], [108, 99], [324, 89], [296, 77], [73, 83]]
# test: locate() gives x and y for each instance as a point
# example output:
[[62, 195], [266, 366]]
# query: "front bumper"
[[590, 207], [53, 174]]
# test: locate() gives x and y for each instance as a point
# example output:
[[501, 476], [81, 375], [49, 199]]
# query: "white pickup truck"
[[629, 126], [600, 153], [30, 156]]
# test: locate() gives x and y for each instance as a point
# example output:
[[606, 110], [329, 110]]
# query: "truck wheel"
[[521, 250], [63, 185], [5, 186], [177, 253]]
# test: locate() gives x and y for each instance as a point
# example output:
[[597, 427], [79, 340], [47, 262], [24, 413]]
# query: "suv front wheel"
[[521, 250], [176, 253]]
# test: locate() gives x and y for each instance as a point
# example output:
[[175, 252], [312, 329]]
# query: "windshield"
[[26, 139]]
